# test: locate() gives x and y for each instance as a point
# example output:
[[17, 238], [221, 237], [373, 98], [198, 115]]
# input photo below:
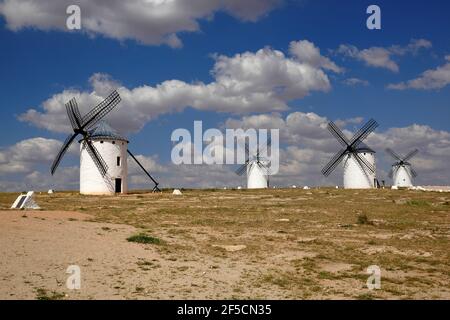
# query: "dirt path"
[[36, 251]]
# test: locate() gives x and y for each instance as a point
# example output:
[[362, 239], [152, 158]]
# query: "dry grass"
[[299, 243]]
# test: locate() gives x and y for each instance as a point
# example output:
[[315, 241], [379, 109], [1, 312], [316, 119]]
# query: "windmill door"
[[118, 185]]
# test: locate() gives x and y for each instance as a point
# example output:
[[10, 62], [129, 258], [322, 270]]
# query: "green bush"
[[143, 238], [363, 219]]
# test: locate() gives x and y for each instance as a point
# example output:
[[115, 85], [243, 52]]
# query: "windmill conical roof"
[[364, 148], [104, 131]]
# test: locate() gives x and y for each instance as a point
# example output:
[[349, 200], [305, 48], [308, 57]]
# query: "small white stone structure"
[[357, 176], [25, 201], [50, 191], [177, 192], [257, 177], [113, 149]]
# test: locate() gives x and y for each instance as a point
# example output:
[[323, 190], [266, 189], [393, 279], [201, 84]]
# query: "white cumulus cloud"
[[306, 51], [151, 22], [380, 57], [261, 81], [429, 80], [26, 165]]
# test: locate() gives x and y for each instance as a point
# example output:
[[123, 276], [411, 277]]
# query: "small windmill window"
[[101, 141], [113, 142], [118, 161]]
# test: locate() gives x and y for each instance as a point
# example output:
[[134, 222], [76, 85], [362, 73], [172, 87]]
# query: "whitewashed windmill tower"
[[401, 171], [103, 157], [257, 177], [257, 168], [358, 159], [113, 149]]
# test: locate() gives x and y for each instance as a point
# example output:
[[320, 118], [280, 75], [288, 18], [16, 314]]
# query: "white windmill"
[[257, 168], [103, 158], [113, 149], [358, 159], [401, 172]]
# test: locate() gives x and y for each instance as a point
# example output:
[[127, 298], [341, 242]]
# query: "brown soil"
[[266, 244]]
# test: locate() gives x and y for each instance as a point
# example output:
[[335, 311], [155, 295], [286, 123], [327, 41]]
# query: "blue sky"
[[37, 63]]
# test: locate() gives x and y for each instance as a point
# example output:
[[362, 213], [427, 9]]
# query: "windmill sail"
[[80, 126], [257, 167], [401, 170], [350, 146], [357, 158]]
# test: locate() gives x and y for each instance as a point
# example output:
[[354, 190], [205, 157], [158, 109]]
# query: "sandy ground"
[[274, 244], [38, 246], [37, 249]]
